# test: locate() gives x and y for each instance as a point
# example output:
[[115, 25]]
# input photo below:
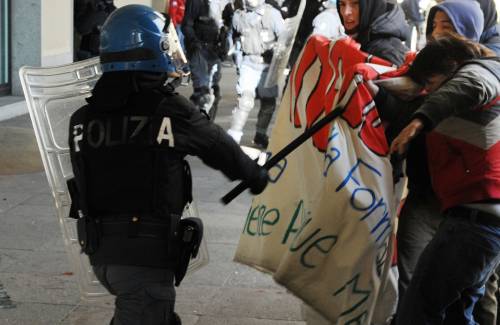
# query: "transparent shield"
[[52, 95], [282, 48], [175, 50]]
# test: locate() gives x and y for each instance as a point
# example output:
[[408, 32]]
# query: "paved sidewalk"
[[36, 283]]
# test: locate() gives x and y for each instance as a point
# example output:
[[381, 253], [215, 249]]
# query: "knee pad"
[[246, 101]]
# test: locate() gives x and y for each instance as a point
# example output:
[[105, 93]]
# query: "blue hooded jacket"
[[491, 32], [466, 17]]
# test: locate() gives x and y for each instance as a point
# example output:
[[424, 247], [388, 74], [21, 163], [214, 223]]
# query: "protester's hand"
[[372, 87], [401, 142], [259, 181]]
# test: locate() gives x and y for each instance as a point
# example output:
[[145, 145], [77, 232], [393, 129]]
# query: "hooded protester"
[[462, 17], [379, 26], [491, 32]]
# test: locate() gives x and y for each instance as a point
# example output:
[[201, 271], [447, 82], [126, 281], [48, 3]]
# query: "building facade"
[[39, 33]]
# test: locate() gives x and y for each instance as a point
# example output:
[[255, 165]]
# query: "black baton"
[[238, 189]]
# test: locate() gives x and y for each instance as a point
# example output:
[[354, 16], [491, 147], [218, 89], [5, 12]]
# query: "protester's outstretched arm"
[[462, 93]]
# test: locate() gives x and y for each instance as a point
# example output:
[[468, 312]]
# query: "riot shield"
[[52, 95], [282, 49]]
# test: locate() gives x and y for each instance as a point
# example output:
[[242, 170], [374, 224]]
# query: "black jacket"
[[382, 30], [199, 29], [127, 147]]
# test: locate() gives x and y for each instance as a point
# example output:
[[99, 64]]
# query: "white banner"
[[323, 226]]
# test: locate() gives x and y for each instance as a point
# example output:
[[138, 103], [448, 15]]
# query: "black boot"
[[260, 141], [176, 320]]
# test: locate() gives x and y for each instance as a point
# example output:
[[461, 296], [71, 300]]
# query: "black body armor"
[[132, 183]]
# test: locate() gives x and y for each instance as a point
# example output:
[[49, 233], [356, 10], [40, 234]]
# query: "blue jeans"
[[451, 273], [205, 69]]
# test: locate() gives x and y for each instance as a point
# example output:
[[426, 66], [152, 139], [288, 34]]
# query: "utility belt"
[[265, 57], [90, 230], [182, 236], [474, 215]]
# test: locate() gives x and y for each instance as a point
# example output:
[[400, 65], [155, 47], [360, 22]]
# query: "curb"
[[13, 110]]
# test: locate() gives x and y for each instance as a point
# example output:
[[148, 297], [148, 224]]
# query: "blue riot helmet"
[[138, 38]]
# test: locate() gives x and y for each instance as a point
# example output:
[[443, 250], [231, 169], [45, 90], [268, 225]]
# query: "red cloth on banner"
[[338, 65]]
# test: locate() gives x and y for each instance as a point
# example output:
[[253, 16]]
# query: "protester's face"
[[435, 81], [441, 23], [349, 10]]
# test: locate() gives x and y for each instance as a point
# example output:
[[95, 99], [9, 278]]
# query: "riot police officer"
[[258, 26], [131, 182]]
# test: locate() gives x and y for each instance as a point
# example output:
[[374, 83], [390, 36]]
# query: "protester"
[[379, 26], [462, 17], [205, 45], [131, 182], [461, 120], [259, 26], [420, 216]]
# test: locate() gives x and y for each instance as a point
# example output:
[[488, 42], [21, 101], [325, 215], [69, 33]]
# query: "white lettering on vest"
[[77, 136], [165, 132]]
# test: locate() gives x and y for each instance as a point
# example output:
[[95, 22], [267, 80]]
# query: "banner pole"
[[238, 189]]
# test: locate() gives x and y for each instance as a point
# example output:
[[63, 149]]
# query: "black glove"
[[259, 181], [267, 56], [222, 47]]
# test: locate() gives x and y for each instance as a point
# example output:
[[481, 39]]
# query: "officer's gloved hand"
[[259, 180]]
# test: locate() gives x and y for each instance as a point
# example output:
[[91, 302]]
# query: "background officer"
[[258, 27], [131, 183]]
